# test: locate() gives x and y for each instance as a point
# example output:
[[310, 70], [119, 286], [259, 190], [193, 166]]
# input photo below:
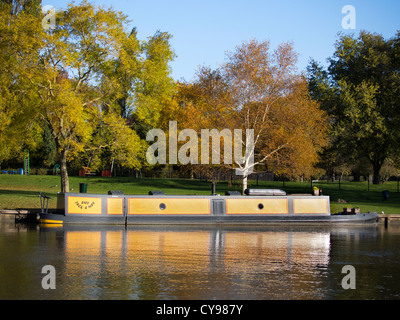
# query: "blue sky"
[[203, 31]]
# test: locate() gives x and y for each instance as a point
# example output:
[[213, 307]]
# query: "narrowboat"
[[256, 207]]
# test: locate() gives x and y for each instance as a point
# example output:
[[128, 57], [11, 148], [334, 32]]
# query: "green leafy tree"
[[75, 77], [79, 81], [360, 92], [156, 88], [19, 53]]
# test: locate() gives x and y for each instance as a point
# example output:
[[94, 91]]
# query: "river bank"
[[21, 192]]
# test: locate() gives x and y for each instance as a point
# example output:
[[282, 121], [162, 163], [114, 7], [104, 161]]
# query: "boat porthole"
[[260, 206], [163, 206]]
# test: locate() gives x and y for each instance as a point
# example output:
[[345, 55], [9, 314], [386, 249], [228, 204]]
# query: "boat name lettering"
[[84, 204]]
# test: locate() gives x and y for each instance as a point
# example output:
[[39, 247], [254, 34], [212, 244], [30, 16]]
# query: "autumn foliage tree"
[[259, 89]]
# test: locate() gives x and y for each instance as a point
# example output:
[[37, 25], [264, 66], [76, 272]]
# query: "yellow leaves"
[[260, 90], [80, 78], [19, 43], [121, 142], [75, 117]]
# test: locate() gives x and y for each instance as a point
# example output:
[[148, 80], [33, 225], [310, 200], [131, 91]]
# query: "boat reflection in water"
[[196, 263]]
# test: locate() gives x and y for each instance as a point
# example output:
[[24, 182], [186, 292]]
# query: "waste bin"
[[385, 194], [82, 187]]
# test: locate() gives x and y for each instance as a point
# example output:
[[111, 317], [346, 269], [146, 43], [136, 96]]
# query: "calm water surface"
[[199, 263]]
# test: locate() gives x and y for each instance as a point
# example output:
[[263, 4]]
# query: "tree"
[[14, 7], [156, 88], [86, 66], [194, 108], [19, 53], [360, 92], [75, 79], [112, 138], [259, 91], [80, 81]]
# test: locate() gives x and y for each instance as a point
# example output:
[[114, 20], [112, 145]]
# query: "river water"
[[189, 263]]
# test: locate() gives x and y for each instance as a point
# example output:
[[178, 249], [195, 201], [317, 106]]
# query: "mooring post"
[[386, 222]]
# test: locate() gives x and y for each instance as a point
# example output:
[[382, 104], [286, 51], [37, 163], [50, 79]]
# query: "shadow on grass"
[[25, 193], [144, 185]]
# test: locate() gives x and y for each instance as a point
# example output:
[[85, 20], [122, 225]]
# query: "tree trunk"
[[356, 176], [244, 182], [377, 170], [64, 172]]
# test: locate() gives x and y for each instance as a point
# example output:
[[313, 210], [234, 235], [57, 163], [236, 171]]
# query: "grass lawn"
[[22, 191]]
